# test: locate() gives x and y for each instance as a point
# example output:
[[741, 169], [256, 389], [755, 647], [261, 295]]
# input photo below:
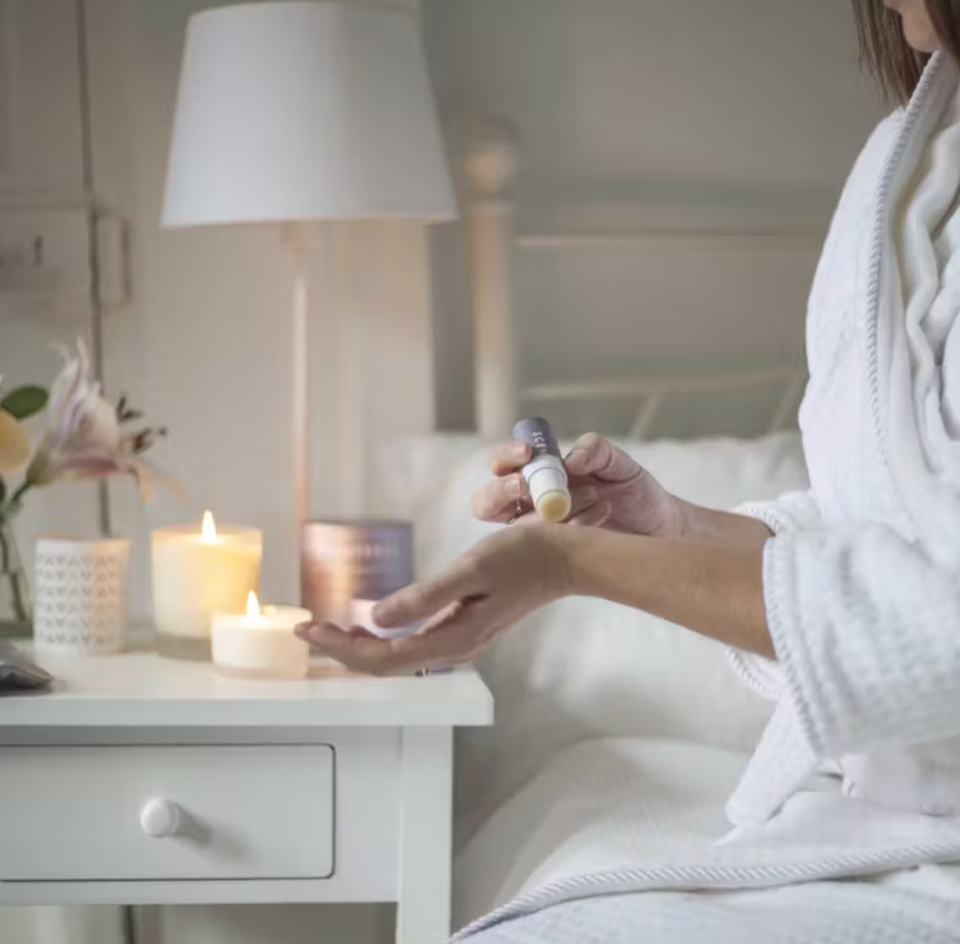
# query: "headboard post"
[[490, 168]]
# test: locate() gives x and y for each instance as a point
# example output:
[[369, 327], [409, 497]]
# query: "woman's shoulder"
[[858, 191], [878, 144]]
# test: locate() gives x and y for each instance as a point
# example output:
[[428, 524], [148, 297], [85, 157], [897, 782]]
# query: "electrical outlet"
[[45, 263], [24, 266], [22, 256], [43, 260]]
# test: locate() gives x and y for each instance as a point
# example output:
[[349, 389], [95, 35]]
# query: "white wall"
[[40, 185], [653, 114]]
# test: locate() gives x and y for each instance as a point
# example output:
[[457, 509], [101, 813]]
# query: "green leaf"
[[24, 402], [3, 490]]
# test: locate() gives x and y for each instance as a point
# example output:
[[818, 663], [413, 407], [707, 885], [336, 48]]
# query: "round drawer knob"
[[160, 818]]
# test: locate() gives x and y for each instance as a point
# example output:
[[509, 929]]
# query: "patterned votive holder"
[[80, 595], [343, 561]]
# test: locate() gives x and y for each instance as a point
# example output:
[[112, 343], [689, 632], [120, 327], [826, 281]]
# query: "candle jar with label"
[[343, 561], [198, 572]]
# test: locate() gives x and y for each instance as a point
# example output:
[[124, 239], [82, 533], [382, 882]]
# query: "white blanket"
[[821, 913], [862, 585], [616, 816]]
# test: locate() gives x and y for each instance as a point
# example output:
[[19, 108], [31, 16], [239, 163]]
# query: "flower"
[[83, 436]]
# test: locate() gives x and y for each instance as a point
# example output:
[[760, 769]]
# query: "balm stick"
[[544, 473]]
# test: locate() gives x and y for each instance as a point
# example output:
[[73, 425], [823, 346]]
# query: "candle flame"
[[208, 531], [253, 606]]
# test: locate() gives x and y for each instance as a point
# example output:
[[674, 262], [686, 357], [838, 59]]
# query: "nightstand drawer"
[[129, 813]]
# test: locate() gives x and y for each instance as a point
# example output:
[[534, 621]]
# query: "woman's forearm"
[[720, 527], [714, 589]]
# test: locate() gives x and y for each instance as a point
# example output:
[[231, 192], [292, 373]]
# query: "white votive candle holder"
[[260, 644], [81, 596]]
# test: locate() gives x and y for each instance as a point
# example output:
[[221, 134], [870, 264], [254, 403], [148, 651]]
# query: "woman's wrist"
[[578, 550], [719, 527], [715, 589]]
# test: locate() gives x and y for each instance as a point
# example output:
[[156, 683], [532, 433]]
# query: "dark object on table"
[[17, 672]]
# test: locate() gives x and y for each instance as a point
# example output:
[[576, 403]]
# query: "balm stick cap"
[[551, 497], [554, 506]]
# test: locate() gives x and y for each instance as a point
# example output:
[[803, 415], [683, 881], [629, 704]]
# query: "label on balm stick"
[[545, 475], [539, 435]]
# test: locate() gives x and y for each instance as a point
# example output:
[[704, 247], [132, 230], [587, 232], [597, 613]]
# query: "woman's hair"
[[887, 54]]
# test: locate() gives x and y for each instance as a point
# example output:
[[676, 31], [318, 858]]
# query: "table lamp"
[[296, 112]]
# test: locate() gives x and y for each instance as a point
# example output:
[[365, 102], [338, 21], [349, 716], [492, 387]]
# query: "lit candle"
[[261, 644], [196, 573]]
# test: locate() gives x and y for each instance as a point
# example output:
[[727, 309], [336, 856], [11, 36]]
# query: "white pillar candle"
[[198, 572], [261, 643]]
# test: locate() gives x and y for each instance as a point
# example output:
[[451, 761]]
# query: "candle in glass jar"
[[260, 644], [198, 572]]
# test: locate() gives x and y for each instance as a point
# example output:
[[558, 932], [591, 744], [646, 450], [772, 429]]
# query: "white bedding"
[[885, 911], [616, 816], [600, 805], [605, 820]]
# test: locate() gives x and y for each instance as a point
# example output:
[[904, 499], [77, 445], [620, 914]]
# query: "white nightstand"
[[140, 780]]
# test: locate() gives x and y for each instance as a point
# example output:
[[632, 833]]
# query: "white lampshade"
[[300, 111]]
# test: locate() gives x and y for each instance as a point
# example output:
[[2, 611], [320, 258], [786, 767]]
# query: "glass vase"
[[15, 614]]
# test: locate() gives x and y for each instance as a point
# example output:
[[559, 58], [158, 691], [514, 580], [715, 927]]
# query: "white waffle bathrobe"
[[862, 581]]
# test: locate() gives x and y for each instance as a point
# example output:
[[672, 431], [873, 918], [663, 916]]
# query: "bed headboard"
[[490, 165]]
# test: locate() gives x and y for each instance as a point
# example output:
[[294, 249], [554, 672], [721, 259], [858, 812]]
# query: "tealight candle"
[[261, 644], [196, 573]]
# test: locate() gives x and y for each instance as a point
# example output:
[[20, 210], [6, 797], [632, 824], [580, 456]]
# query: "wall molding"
[[10, 118]]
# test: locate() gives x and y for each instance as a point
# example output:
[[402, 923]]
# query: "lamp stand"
[[299, 239]]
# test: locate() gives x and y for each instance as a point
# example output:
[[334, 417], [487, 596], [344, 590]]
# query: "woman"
[[843, 602]]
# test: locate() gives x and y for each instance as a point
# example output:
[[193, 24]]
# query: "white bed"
[[609, 720]]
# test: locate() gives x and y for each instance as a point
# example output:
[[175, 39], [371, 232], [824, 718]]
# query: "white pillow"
[[586, 668]]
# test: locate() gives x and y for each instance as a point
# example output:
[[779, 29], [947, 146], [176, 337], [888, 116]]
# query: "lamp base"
[[188, 648]]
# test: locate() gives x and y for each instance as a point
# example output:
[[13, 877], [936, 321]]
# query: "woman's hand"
[[492, 586], [608, 489]]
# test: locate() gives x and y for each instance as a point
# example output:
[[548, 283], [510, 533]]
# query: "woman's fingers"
[[595, 456], [455, 638], [509, 457], [500, 499], [423, 600], [359, 653], [506, 499]]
